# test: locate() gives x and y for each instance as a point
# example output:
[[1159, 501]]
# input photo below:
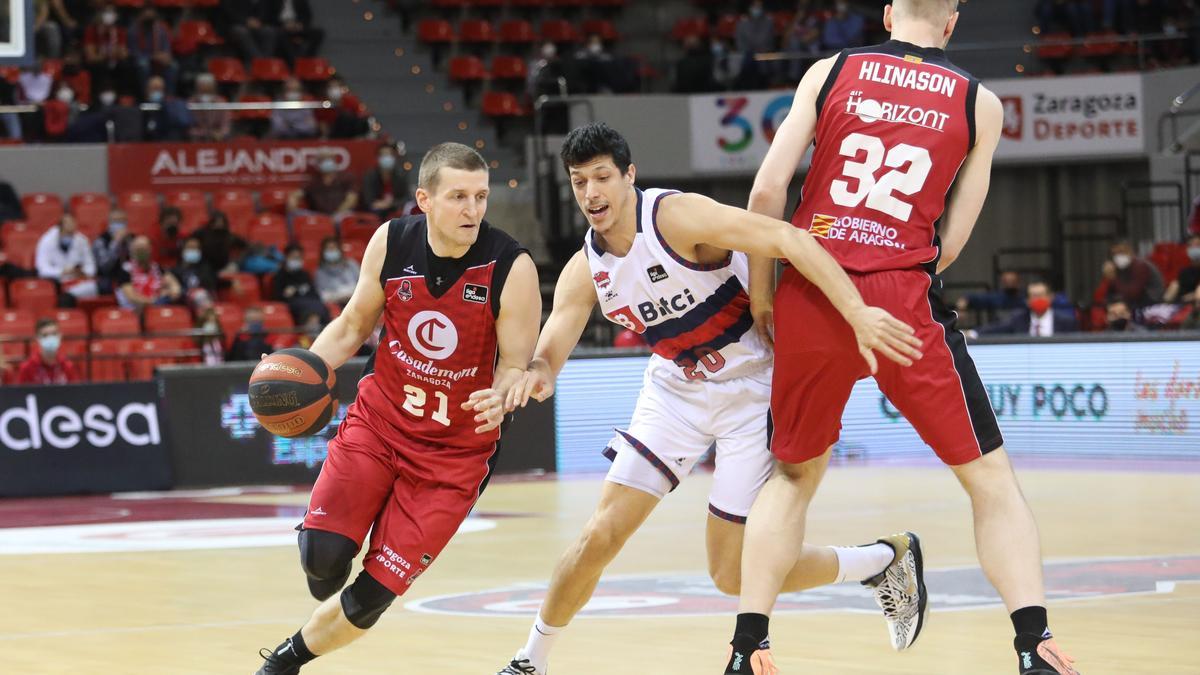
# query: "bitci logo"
[[433, 334], [1014, 117]]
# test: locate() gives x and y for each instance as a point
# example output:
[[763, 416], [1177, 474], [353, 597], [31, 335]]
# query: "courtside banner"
[[1071, 117], [731, 132], [70, 439], [163, 167], [1124, 400]]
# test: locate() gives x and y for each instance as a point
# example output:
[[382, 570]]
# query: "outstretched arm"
[[574, 299], [971, 187]]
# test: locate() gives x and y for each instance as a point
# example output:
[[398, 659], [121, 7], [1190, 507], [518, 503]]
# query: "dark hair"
[[593, 141], [170, 211], [42, 323], [293, 247], [330, 240]]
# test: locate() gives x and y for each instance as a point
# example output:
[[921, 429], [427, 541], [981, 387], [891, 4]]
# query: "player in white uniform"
[[663, 264]]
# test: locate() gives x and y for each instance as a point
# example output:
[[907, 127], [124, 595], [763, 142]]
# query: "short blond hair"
[[935, 11], [447, 156]]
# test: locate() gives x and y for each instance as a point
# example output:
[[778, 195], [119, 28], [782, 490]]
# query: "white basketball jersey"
[[696, 316]]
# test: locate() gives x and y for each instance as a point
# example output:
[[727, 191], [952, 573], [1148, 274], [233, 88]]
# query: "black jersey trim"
[[831, 79], [972, 97]]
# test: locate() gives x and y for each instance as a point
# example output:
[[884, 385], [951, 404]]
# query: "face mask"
[[108, 98], [327, 166], [332, 256], [291, 96], [65, 241], [65, 95], [191, 256], [49, 344], [1122, 260], [1039, 305], [141, 256], [294, 265], [108, 18], [212, 327], [718, 49], [1194, 253], [1118, 324], [155, 97], [595, 48], [756, 12], [387, 162], [334, 94], [116, 227], [549, 51]]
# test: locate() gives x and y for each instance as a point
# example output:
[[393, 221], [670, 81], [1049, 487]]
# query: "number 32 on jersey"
[[910, 168]]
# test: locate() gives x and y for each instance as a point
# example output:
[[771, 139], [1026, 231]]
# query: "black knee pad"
[[365, 600], [326, 558]]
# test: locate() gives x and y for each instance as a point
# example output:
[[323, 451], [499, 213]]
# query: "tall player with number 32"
[[904, 145]]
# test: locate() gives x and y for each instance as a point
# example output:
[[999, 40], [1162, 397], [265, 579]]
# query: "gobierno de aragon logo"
[[29, 427]]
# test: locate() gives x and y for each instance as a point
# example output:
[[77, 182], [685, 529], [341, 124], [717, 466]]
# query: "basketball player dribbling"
[[904, 145], [415, 449], [663, 264]]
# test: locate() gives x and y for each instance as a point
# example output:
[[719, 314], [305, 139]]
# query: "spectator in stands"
[[106, 52], [64, 255], [1194, 218], [46, 365], [59, 113], [337, 274], [594, 64], [47, 33], [209, 339], [385, 186], [110, 249], [10, 203], [311, 327], [1039, 318], [1006, 297], [1120, 318], [170, 219], [300, 36], [251, 343], [172, 121], [249, 24], [548, 77], [10, 271], [218, 243], [193, 270], [694, 71], [150, 48], [1192, 322], [140, 281], [1065, 16], [261, 259], [330, 191], [803, 37], [1133, 280], [844, 29], [755, 33], [1184, 288], [292, 124], [294, 285], [36, 85], [92, 125], [346, 119], [209, 125]]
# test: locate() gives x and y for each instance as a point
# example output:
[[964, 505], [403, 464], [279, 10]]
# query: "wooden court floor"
[[1124, 548]]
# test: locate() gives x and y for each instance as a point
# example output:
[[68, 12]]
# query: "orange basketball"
[[291, 393]]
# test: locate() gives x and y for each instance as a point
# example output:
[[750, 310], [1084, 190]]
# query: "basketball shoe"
[[747, 661], [519, 666], [900, 590], [274, 665], [1040, 655]]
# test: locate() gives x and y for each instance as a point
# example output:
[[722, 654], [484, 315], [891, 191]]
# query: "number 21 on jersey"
[[416, 400], [910, 168]]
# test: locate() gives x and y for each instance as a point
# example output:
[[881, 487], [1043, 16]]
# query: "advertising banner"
[[1128, 400], [731, 132], [81, 438], [209, 166], [1060, 117]]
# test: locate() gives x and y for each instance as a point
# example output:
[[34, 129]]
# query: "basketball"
[[291, 393]]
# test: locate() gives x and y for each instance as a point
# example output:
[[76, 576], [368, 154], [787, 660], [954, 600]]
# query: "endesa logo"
[[28, 428]]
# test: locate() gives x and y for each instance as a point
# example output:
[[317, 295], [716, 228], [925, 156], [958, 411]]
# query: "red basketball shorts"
[[411, 495], [817, 363]]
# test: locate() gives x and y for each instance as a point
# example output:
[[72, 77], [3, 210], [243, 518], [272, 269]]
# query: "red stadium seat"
[[36, 295], [516, 31], [449, 4], [269, 70], [359, 226], [1055, 52], [476, 31], [530, 4], [602, 27], [91, 212], [501, 104], [354, 249], [229, 315], [243, 290], [274, 199], [253, 113], [314, 69], [115, 321], [106, 360], [690, 26], [335, 310], [783, 21], [20, 243], [194, 206], [509, 68], [727, 26], [276, 316], [70, 321], [16, 323], [270, 229], [11, 74], [148, 354], [227, 70], [313, 226], [53, 68], [192, 35], [435, 31], [42, 209], [3, 295], [467, 69], [129, 4], [167, 319], [141, 210], [238, 207], [559, 30]]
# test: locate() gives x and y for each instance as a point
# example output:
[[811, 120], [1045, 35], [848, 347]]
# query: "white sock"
[[862, 562], [541, 640]]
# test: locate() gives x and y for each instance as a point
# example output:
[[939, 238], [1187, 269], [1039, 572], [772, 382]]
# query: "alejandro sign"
[[209, 166]]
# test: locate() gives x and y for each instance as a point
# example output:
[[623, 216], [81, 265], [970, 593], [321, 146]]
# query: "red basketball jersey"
[[439, 338], [894, 124]]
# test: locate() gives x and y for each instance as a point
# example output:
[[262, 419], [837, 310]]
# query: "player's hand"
[[764, 320], [537, 382], [489, 403], [876, 330]]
